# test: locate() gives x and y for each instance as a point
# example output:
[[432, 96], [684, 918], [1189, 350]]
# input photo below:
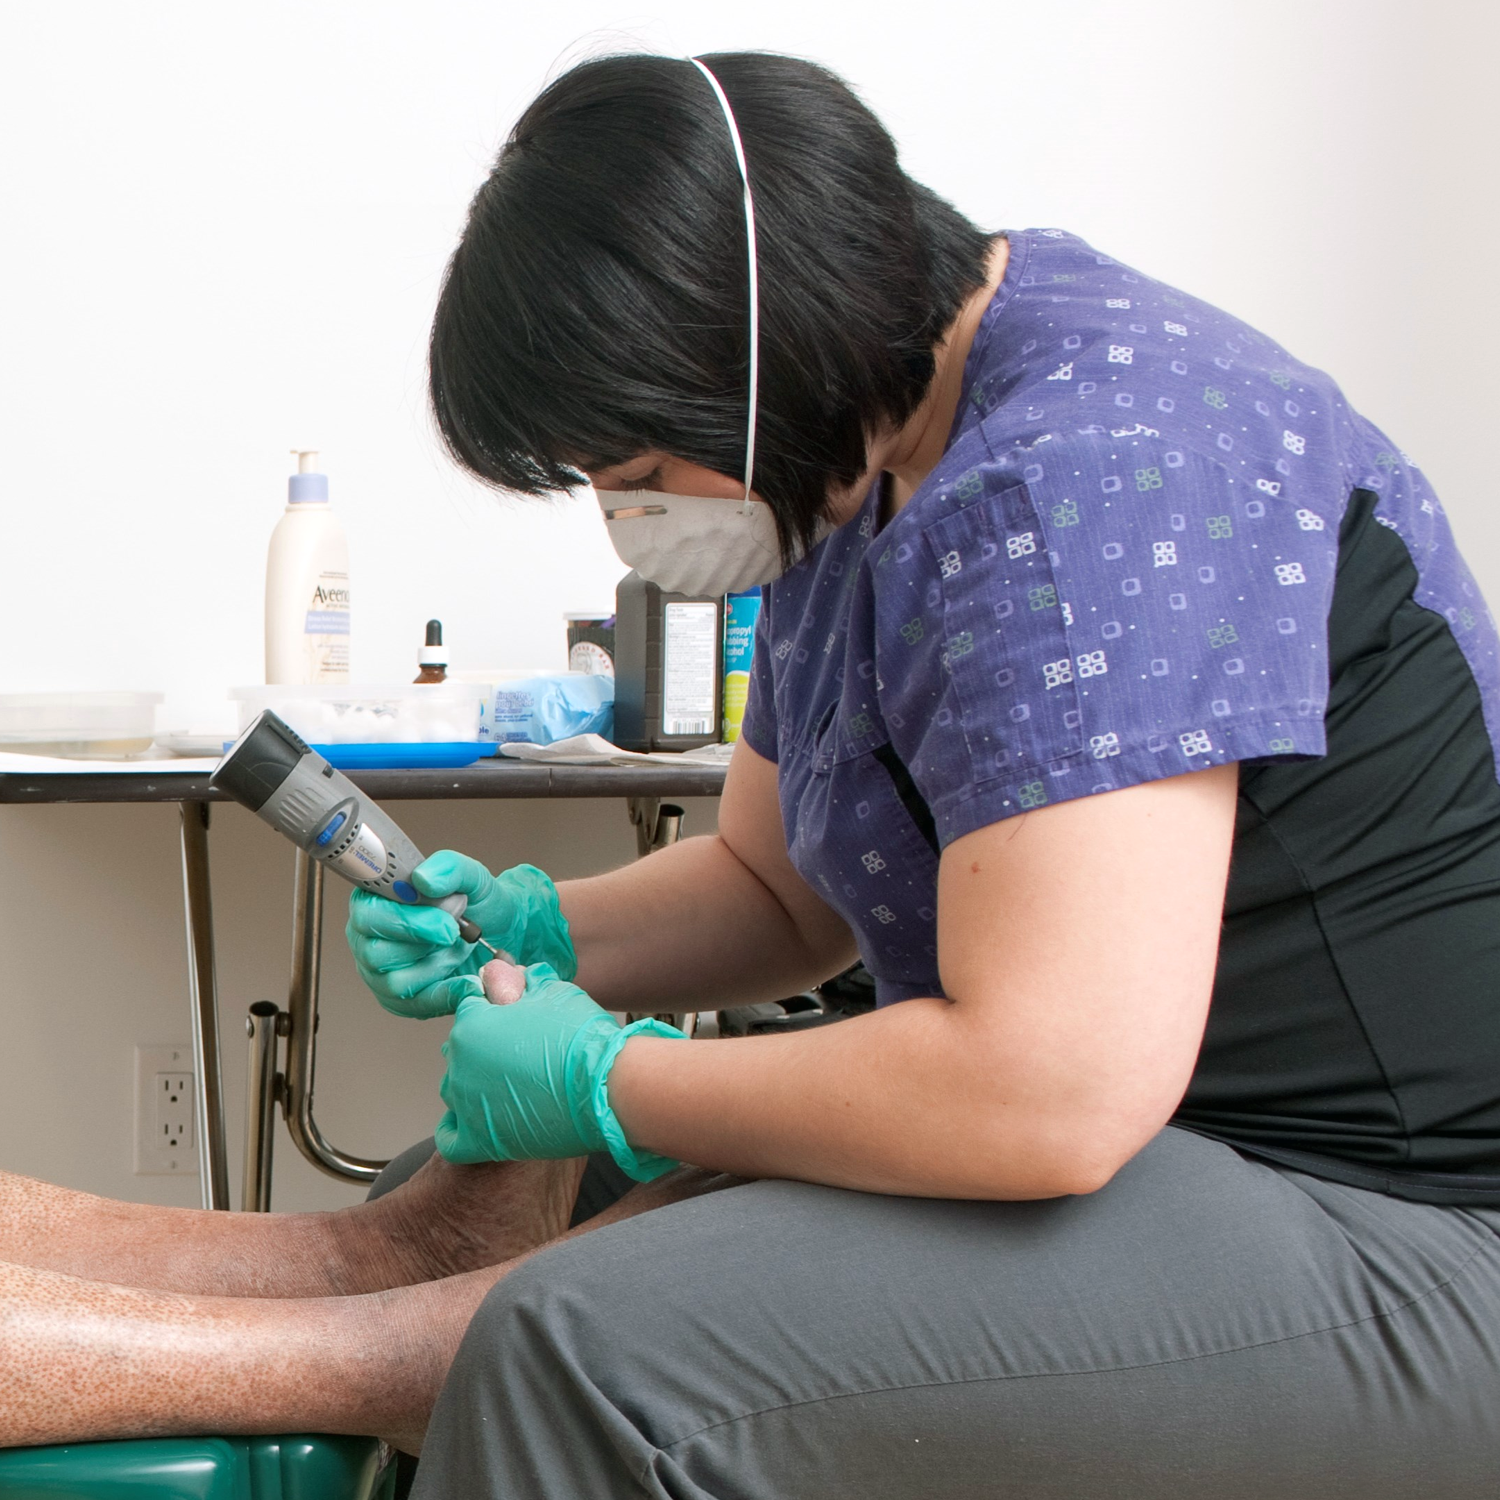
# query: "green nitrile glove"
[[529, 1081], [412, 956]]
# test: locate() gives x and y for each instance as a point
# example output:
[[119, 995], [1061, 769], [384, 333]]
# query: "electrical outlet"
[[174, 1111], [165, 1111]]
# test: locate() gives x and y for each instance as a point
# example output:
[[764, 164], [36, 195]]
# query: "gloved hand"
[[529, 1081], [412, 956]]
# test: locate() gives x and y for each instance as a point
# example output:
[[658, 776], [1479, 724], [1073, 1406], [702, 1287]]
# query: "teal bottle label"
[[740, 614]]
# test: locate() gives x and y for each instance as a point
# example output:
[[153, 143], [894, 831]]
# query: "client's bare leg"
[[444, 1221], [81, 1359]]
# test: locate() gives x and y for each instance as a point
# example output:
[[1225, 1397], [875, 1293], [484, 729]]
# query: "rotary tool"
[[287, 784]]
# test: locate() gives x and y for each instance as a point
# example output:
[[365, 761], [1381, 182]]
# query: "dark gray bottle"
[[669, 667]]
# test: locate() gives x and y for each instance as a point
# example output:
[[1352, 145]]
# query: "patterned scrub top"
[[1122, 568]]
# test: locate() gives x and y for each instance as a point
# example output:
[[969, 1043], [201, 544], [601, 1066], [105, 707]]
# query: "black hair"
[[597, 304]]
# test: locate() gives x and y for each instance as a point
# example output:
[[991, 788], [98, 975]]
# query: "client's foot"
[[450, 1219]]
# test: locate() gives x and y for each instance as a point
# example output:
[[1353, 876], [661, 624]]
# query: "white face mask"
[[695, 544]]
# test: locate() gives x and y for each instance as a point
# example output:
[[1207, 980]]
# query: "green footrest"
[[260, 1468]]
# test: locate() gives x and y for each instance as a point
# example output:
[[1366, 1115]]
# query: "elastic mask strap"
[[739, 157]]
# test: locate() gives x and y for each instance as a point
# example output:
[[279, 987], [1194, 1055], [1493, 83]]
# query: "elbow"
[[1060, 1125], [1096, 1154], [1064, 1174], [1062, 1159], [1084, 1174], [1090, 1149]]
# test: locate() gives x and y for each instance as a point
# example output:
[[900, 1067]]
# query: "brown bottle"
[[433, 657]]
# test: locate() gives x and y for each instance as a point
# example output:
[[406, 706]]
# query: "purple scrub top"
[[1120, 570]]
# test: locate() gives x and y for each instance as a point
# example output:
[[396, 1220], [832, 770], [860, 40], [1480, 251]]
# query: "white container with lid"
[[85, 726]]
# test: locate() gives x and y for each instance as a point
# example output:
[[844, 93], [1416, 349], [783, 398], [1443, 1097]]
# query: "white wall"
[[221, 236]]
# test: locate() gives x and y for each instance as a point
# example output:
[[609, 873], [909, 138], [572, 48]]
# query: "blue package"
[[543, 709]]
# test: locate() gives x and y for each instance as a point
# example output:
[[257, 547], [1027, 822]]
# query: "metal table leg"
[[657, 823], [203, 992], [292, 1089], [266, 1088], [302, 1032]]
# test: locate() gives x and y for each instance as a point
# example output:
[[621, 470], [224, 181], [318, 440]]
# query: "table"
[[643, 787]]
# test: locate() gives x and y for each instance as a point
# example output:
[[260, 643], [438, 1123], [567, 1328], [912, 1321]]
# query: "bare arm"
[[1077, 945], [711, 921]]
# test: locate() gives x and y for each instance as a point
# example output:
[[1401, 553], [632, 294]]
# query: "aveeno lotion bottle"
[[307, 585]]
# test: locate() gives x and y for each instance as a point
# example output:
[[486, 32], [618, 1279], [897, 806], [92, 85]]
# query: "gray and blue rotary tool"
[[287, 784]]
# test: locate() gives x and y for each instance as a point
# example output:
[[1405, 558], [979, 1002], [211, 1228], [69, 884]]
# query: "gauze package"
[[553, 706]]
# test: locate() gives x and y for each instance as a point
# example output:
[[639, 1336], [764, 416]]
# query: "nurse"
[[1121, 700]]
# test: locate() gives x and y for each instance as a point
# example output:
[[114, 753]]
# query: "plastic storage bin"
[[88, 726], [361, 727]]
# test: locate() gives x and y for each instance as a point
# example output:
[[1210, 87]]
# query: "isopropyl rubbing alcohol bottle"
[[307, 585], [741, 611]]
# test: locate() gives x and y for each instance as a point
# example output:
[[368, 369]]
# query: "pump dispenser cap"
[[307, 486], [434, 653]]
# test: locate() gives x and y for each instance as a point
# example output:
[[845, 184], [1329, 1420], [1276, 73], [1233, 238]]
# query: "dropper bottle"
[[432, 659]]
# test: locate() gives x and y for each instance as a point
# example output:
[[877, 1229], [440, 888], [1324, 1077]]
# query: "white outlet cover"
[[152, 1158]]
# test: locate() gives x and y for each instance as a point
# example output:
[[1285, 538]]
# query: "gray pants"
[[1204, 1326]]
